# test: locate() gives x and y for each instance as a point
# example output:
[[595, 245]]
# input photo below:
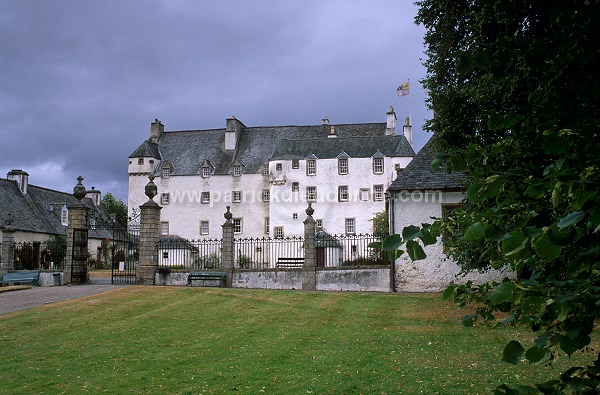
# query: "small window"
[[350, 226], [205, 172], [164, 228], [205, 197], [343, 193], [311, 167], [378, 165], [236, 196], [265, 169], [278, 167], [278, 232], [204, 227], [311, 194], [294, 215], [295, 164], [164, 198], [237, 170], [140, 161], [365, 194], [295, 186], [237, 225], [166, 172], [267, 225], [319, 223], [343, 166], [377, 192], [266, 195]]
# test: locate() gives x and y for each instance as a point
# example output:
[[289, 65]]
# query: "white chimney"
[[390, 129], [94, 194], [233, 128], [21, 177], [325, 120], [408, 131]]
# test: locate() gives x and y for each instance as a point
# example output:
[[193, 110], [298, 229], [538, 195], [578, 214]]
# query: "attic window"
[[343, 166], [237, 170], [311, 167], [378, 165], [278, 167], [205, 172], [295, 164], [140, 161], [265, 169], [166, 172]]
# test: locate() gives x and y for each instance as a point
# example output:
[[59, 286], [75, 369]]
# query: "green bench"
[[207, 276], [289, 263], [22, 276]]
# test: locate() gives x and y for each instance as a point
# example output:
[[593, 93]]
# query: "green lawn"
[[177, 340]]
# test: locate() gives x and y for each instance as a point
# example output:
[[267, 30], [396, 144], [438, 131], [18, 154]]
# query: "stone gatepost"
[[149, 237], [75, 269], [8, 245], [309, 280], [227, 251]]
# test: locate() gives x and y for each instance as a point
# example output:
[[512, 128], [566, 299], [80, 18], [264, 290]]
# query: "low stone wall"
[[267, 279], [363, 280]]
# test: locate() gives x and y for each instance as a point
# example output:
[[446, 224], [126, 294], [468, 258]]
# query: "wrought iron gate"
[[79, 260]]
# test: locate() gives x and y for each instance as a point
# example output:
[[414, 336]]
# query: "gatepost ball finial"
[[79, 190], [151, 190], [228, 214], [310, 211]]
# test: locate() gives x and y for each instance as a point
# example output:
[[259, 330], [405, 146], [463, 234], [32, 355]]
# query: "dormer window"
[[343, 166], [236, 170], [311, 167], [265, 169], [378, 165], [205, 172], [166, 172]]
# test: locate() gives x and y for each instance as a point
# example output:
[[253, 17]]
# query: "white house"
[[416, 196], [268, 174]]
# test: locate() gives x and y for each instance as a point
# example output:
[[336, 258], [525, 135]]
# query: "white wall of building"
[[437, 271]]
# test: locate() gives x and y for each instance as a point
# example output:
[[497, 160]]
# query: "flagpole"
[[409, 106]]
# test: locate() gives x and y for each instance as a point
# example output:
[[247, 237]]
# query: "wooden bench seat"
[[205, 276], [21, 276]]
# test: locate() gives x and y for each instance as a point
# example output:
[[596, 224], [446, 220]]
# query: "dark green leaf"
[[537, 355], [509, 121], [411, 232], [544, 247], [503, 293], [536, 189], [392, 242], [458, 163], [514, 244], [449, 292], [513, 352], [427, 238], [468, 320], [465, 62], [571, 219], [475, 231], [495, 233], [415, 251]]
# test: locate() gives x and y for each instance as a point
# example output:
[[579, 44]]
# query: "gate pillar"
[[75, 269], [8, 243], [149, 237], [227, 252], [309, 280]]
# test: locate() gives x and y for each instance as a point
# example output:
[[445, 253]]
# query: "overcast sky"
[[81, 80]]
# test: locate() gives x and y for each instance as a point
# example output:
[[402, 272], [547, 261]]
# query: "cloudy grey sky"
[[81, 80]]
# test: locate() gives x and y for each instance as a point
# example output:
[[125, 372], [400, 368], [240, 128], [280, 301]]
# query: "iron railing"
[[180, 253], [39, 256], [268, 253], [348, 250]]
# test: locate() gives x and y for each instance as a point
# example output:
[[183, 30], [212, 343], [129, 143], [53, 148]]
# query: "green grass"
[[176, 340]]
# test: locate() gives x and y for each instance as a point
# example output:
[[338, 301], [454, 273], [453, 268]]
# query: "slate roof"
[[418, 175], [147, 149], [186, 150], [39, 211]]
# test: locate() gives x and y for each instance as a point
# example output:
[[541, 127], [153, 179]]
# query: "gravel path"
[[37, 296]]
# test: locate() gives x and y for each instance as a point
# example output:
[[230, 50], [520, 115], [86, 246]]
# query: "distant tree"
[[515, 93], [116, 207], [381, 224]]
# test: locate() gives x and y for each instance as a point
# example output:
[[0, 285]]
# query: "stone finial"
[[310, 211], [151, 190], [228, 214], [79, 190]]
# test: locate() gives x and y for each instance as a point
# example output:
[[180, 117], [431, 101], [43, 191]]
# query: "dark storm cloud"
[[82, 80]]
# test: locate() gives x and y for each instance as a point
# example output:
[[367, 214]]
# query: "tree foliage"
[[515, 93], [116, 207]]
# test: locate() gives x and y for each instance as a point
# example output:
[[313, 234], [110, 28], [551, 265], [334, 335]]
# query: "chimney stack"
[[233, 128], [21, 177], [156, 130], [390, 129], [408, 131], [332, 133], [325, 120], [94, 194]]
